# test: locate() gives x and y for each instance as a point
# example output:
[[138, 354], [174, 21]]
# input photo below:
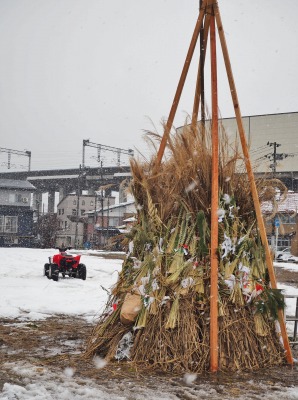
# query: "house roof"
[[16, 184], [119, 205], [112, 207], [130, 219], [289, 205]]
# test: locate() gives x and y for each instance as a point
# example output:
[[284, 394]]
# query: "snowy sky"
[[27, 295], [106, 70]]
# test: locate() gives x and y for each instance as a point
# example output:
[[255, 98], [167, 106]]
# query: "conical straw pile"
[[158, 313]]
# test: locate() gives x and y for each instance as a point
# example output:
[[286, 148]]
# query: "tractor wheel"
[[82, 272], [53, 272], [46, 270]]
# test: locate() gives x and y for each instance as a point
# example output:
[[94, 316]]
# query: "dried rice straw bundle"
[[165, 280]]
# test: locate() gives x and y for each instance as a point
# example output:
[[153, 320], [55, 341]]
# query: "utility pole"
[[101, 199], [78, 209], [108, 218], [274, 157], [95, 219], [38, 220]]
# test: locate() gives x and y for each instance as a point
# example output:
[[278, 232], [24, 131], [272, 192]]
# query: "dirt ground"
[[58, 343], [287, 277]]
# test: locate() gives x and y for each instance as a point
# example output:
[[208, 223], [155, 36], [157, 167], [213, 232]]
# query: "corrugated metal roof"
[[112, 207], [290, 204], [16, 184]]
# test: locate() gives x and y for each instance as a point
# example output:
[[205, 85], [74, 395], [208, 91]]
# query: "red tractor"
[[66, 264]]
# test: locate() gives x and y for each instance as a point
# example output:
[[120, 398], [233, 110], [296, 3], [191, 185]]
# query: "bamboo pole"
[[200, 78], [254, 191], [214, 206], [180, 85]]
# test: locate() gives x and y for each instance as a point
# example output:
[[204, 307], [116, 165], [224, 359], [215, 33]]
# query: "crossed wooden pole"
[[208, 18]]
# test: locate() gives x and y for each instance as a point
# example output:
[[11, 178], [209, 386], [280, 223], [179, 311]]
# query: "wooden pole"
[[180, 85], [200, 77], [214, 206], [254, 191]]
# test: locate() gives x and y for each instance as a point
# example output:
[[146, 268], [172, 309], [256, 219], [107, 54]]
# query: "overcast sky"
[[105, 70]]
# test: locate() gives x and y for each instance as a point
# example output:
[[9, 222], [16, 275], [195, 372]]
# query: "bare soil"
[[287, 277], [59, 342]]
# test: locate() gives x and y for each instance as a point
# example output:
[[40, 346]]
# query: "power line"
[[101, 147], [262, 148], [17, 152]]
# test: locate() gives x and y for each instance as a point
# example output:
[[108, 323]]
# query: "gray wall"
[[259, 129]]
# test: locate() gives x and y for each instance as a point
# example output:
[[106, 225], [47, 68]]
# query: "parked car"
[[282, 251], [292, 259], [287, 257], [283, 255]]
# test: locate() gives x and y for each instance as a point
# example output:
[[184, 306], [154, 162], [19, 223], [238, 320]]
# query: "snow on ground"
[[44, 385], [26, 294], [289, 290], [288, 266]]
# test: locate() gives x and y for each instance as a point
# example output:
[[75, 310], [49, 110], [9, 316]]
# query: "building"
[[282, 227], [262, 131], [16, 213], [272, 142], [108, 222], [72, 214]]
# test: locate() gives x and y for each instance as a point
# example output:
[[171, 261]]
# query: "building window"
[[1, 223], [74, 211], [11, 224], [74, 202], [114, 221], [83, 202], [287, 219], [83, 212], [284, 242], [59, 211], [16, 198], [11, 197], [91, 203], [65, 224], [62, 211]]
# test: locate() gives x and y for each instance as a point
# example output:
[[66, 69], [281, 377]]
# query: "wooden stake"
[[214, 207], [180, 85], [254, 191]]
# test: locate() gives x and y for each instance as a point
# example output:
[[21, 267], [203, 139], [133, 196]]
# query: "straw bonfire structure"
[[191, 298]]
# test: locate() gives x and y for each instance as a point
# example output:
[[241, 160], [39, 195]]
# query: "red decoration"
[[259, 287]]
